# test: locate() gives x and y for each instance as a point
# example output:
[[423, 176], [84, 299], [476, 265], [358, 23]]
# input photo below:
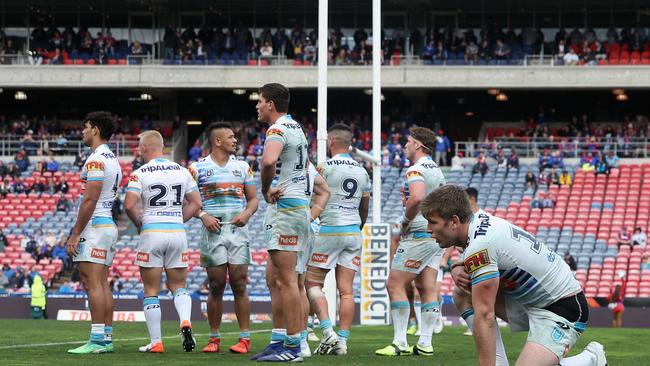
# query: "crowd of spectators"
[[17, 280]]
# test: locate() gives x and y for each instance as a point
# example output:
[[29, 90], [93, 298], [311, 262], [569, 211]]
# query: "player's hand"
[[273, 195], [461, 278], [211, 223], [240, 220], [72, 244]]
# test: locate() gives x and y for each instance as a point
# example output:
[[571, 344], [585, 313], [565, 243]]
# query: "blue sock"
[[292, 341], [278, 335], [325, 324], [108, 334], [97, 334], [245, 335], [303, 335], [343, 334]]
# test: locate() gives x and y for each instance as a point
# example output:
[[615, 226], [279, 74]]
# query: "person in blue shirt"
[[443, 147], [52, 165], [195, 151]]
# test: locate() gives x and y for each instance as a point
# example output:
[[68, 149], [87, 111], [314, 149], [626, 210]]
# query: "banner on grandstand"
[[84, 315], [375, 267]]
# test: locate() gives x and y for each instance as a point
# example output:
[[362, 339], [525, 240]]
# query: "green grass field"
[[44, 342]]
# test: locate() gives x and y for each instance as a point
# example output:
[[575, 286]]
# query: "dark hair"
[[278, 94], [472, 192], [103, 121], [447, 201], [424, 136], [216, 126]]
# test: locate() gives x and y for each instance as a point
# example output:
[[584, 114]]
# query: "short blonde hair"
[[152, 139]]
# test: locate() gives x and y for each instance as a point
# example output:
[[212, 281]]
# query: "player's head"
[[420, 139], [339, 137], [97, 127], [151, 145], [273, 100], [222, 137], [447, 209], [472, 193]]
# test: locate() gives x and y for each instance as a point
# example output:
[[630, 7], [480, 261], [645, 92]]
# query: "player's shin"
[[430, 312], [152, 315]]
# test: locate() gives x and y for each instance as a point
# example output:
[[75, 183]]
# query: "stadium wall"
[[453, 77]]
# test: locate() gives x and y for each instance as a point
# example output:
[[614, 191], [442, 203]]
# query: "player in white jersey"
[[92, 238], [507, 272], [319, 193], [160, 197], [338, 243], [229, 199], [284, 186], [418, 255]]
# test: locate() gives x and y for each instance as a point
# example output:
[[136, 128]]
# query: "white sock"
[[417, 309], [430, 312], [152, 315], [399, 311], [183, 304], [584, 358], [468, 316], [502, 358], [97, 333]]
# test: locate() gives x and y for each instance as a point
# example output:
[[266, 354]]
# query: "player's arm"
[[132, 207], [272, 150], [252, 203], [363, 208], [320, 197], [484, 295], [86, 209], [416, 194], [191, 205]]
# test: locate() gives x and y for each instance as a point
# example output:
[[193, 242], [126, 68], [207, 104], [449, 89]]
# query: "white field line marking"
[[119, 340]]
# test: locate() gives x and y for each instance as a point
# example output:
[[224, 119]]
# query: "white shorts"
[[417, 251], [544, 327], [287, 225], [337, 245], [162, 245], [303, 255], [229, 245], [96, 242]]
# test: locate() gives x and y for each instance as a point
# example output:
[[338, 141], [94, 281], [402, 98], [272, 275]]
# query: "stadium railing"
[[637, 147], [11, 144]]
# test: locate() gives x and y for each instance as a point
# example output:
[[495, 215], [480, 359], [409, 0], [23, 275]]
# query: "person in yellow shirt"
[[38, 298], [565, 178]]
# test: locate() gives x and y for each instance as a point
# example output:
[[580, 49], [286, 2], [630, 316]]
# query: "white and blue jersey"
[[424, 170]]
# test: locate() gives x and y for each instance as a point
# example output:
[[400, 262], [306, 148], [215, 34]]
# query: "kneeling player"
[[507, 272], [162, 185]]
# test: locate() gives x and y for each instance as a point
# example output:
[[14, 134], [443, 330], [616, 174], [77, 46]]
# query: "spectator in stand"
[[3, 169], [565, 178], [63, 204], [19, 186], [571, 58], [137, 50], [4, 282], [554, 177], [443, 147], [62, 186], [266, 51], [22, 160], [531, 181], [645, 264], [4, 242], [80, 160], [471, 53], [13, 171], [639, 238], [549, 201], [37, 187], [6, 187], [19, 278], [52, 165], [501, 50], [624, 237], [571, 262], [195, 151], [545, 160], [481, 165], [456, 163], [543, 178], [513, 161], [8, 272], [586, 162], [66, 288], [612, 161], [601, 166]]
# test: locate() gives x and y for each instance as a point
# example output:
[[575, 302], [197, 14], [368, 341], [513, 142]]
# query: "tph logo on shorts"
[[357, 261], [288, 240], [142, 257], [319, 257], [98, 253], [412, 264], [185, 257]]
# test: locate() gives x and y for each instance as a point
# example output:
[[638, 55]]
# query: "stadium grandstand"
[[540, 106]]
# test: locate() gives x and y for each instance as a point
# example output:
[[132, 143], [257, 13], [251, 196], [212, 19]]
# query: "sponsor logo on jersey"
[[356, 261], [319, 257], [483, 226], [274, 132], [142, 257], [94, 165], [413, 174], [185, 257], [288, 240], [98, 253], [412, 264], [477, 261], [237, 173]]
